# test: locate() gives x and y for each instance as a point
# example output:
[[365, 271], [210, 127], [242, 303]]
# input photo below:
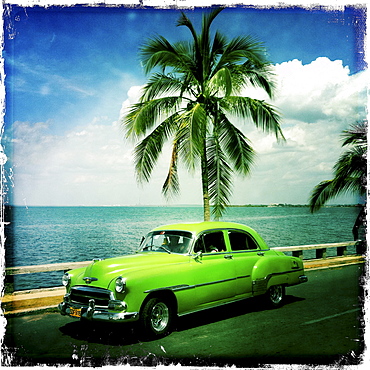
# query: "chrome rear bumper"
[[303, 279]]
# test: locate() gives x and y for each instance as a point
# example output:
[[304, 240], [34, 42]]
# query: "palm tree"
[[349, 173], [190, 98]]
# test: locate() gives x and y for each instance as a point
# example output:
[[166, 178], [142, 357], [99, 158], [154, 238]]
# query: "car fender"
[[275, 270], [165, 281]]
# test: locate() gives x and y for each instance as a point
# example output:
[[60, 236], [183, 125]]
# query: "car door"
[[245, 252], [214, 273]]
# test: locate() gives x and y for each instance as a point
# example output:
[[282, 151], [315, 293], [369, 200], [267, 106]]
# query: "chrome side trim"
[[260, 285], [243, 277], [286, 272], [250, 251], [217, 304], [174, 288], [177, 288], [214, 282]]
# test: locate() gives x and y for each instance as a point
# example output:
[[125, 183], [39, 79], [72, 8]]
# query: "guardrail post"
[[360, 247], [298, 254], [342, 251], [321, 253]]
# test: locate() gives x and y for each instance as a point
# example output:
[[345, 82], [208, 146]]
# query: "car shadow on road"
[[228, 311], [115, 334], [112, 334]]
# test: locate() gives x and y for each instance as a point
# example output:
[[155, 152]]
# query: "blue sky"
[[70, 71]]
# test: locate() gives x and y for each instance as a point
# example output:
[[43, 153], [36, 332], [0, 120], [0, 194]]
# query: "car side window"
[[242, 241], [211, 243]]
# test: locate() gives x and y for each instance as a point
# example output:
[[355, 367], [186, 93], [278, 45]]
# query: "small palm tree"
[[349, 173], [190, 98]]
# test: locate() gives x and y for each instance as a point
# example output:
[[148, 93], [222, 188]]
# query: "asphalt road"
[[321, 323]]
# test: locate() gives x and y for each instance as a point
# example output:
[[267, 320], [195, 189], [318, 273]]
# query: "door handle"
[[228, 256], [260, 253]]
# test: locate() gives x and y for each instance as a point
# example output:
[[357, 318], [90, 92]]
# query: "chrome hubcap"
[[276, 294], [160, 316]]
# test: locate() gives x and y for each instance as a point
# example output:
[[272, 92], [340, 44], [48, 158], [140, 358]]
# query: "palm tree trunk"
[[358, 223], [204, 169]]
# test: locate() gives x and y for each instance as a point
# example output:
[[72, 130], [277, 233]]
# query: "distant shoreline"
[[293, 205], [273, 205]]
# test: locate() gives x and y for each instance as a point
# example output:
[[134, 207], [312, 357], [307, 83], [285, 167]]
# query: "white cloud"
[[56, 169], [323, 89], [317, 102], [93, 163]]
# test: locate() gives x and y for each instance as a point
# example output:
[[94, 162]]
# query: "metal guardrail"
[[297, 251], [321, 249]]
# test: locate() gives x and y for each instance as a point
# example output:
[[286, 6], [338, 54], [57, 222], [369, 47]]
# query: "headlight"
[[66, 279], [120, 284]]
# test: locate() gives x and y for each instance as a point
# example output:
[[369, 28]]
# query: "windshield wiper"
[[168, 251]]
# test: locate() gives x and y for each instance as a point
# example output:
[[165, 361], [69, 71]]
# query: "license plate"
[[75, 312]]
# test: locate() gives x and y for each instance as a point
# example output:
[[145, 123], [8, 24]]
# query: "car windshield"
[[167, 241]]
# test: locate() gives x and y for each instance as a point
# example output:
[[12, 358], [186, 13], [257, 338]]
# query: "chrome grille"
[[82, 295]]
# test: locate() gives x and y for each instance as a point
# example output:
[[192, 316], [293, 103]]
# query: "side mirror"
[[198, 256]]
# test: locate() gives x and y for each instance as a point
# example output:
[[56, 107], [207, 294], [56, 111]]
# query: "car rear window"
[[242, 241], [211, 242]]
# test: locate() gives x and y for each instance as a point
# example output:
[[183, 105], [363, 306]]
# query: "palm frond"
[[220, 177], [144, 115], [205, 41], [349, 170], [221, 82], [171, 186], [261, 76], [329, 189], [197, 54], [209, 18], [356, 134], [185, 21], [263, 115], [241, 49], [158, 52], [321, 194], [147, 151], [218, 46], [160, 85], [191, 133], [352, 163], [237, 146]]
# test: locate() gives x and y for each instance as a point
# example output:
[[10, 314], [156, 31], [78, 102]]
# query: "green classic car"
[[180, 269]]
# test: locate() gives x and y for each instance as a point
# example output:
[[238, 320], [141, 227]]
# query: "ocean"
[[42, 235]]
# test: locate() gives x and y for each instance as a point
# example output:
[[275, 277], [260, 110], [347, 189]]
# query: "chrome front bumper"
[[93, 313]]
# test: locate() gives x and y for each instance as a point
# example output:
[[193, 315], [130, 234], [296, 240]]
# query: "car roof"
[[198, 227]]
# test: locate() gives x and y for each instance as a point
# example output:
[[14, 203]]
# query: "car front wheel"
[[156, 318], [275, 296]]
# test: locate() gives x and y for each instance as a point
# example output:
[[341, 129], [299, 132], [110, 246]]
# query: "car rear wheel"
[[275, 296], [156, 318]]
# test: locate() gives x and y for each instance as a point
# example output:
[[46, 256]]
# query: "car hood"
[[107, 270]]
